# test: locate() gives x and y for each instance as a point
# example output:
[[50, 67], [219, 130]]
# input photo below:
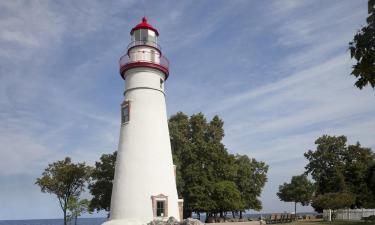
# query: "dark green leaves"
[[208, 177], [362, 49], [101, 187], [299, 190], [340, 168]]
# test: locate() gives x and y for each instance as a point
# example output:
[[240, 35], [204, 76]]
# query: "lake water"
[[83, 221]]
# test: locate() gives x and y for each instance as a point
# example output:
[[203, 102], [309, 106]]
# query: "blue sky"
[[276, 72]]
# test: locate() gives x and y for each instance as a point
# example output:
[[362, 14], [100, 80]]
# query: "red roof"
[[144, 25]]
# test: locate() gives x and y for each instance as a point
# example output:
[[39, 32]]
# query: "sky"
[[277, 73]]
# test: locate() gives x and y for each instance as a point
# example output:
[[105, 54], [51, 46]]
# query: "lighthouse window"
[[137, 35], [161, 83], [125, 113], [144, 35], [160, 208], [151, 36]]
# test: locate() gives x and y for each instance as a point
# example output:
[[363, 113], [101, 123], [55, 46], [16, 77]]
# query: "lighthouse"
[[144, 186]]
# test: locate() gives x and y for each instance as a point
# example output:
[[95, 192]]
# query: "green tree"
[[64, 179], [76, 208], [299, 190], [179, 130], [226, 197], [357, 161], [337, 200], [250, 178], [340, 168], [326, 165], [203, 162], [362, 49], [101, 185]]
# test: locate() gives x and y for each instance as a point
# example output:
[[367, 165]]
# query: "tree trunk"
[[187, 213], [295, 209], [240, 214], [64, 210], [75, 220]]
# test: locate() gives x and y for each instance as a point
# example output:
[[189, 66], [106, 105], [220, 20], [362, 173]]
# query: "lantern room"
[[144, 51], [144, 33]]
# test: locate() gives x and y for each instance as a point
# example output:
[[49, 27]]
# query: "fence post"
[[329, 215], [348, 214]]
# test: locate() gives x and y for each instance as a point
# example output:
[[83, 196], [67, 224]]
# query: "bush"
[[369, 218]]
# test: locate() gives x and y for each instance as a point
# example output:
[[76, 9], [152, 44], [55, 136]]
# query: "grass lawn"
[[333, 223]]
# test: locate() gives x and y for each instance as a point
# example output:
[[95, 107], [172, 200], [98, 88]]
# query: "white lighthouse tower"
[[144, 186]]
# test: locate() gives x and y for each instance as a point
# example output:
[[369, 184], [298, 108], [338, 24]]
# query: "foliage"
[[362, 49], [337, 167], [64, 179], [325, 164], [250, 178], [205, 168], [336, 200], [101, 186], [77, 208], [358, 161], [179, 129], [299, 190], [370, 180], [226, 196]]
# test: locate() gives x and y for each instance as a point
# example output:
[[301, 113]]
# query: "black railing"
[[153, 57]]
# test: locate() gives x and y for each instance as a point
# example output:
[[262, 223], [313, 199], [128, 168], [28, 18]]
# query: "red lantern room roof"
[[144, 25]]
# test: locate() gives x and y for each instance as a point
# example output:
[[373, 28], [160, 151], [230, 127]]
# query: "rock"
[[157, 222], [172, 221], [190, 221]]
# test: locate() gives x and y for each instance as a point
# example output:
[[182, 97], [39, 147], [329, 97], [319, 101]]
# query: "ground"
[[310, 222], [333, 223]]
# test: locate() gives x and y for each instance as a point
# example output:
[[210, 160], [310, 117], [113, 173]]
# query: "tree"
[[64, 179], [299, 190], [77, 207], [101, 185], [203, 162], [250, 178], [362, 49], [226, 197], [179, 129], [337, 200], [325, 164], [357, 161], [340, 168]]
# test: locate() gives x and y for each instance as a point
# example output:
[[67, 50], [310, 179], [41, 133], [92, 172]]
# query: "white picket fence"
[[347, 214]]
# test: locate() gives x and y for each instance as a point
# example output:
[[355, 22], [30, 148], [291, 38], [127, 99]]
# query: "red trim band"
[[132, 65]]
